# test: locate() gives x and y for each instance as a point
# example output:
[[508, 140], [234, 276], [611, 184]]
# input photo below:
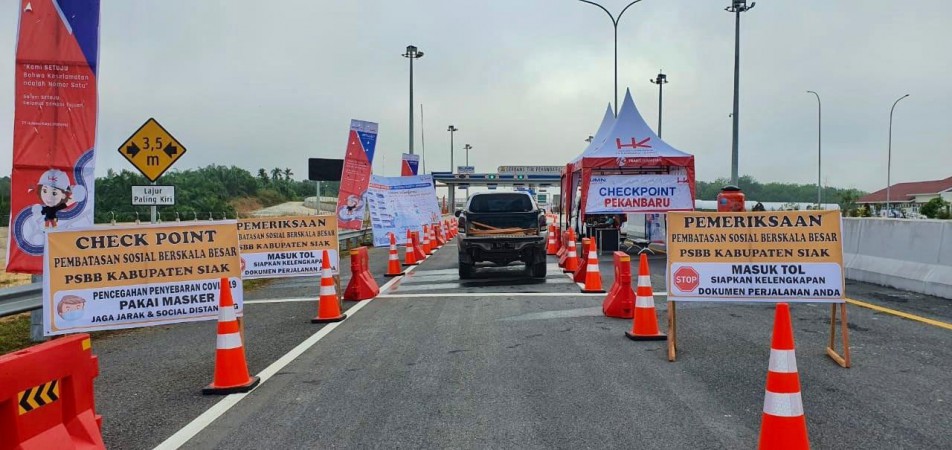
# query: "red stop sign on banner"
[[686, 279]]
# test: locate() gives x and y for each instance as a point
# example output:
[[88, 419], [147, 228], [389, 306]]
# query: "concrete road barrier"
[[913, 255]]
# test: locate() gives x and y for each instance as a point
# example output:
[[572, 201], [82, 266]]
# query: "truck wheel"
[[466, 271], [537, 270]]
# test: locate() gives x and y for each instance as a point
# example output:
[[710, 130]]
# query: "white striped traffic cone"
[[328, 306], [410, 258], [393, 263], [783, 425], [644, 323], [593, 279], [231, 367]]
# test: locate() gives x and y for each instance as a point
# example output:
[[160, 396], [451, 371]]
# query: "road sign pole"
[[36, 317], [153, 208]]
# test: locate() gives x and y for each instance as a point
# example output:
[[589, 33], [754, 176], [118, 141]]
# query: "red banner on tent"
[[54, 131], [356, 174]]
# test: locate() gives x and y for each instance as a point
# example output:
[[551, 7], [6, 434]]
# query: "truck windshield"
[[500, 203]]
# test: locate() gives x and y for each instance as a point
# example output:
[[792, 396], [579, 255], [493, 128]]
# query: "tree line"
[[230, 190], [781, 192], [223, 191]]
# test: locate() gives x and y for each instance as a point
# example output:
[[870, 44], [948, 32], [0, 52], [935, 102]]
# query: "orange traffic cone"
[[427, 246], [438, 234], [393, 264], [644, 324], [593, 279], [571, 259], [783, 425], [579, 275], [434, 244], [552, 247], [231, 368], [418, 247], [410, 258], [328, 308]]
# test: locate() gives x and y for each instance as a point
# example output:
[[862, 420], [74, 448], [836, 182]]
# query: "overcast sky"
[[272, 83]]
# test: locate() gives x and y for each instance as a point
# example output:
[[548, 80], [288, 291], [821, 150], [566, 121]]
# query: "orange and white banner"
[[126, 277], [273, 247], [783, 256]]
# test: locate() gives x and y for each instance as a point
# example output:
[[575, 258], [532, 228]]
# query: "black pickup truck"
[[501, 227]]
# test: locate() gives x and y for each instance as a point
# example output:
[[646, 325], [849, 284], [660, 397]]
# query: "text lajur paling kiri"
[[135, 240], [637, 196]]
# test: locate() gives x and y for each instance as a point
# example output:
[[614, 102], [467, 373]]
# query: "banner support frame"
[[843, 361]]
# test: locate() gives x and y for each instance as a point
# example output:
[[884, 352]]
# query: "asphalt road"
[[502, 361]]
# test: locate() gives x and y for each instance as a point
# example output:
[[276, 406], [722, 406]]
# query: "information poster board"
[[783, 256], [274, 247], [401, 203], [126, 277]]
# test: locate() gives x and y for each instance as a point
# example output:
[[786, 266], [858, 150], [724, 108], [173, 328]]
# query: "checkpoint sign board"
[[783, 256], [107, 278], [273, 247], [152, 150]]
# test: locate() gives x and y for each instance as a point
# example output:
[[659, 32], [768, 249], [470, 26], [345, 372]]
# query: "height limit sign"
[[152, 150]]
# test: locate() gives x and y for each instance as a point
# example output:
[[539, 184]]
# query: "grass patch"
[[14, 333], [250, 285]]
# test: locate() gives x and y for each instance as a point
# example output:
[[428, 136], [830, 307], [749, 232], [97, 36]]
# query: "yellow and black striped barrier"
[[38, 396]]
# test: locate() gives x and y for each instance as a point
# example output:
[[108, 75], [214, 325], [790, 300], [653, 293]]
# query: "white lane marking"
[[396, 294], [201, 422], [501, 294], [280, 300]]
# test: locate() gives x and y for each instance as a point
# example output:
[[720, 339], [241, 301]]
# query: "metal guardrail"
[[20, 299]]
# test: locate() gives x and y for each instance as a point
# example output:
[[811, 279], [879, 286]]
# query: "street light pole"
[[467, 147], [660, 81], [615, 25], [889, 157], [737, 7], [452, 130], [819, 148], [412, 54]]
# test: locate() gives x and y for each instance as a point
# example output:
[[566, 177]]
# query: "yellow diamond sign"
[[152, 150]]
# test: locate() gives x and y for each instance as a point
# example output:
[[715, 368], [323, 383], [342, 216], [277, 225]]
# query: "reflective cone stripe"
[[231, 367], [644, 324], [410, 256], [783, 425], [328, 308], [593, 279]]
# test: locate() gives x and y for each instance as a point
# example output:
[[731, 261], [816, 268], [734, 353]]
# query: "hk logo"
[[635, 144]]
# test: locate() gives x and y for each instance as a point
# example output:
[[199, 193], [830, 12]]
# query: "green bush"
[[934, 207]]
